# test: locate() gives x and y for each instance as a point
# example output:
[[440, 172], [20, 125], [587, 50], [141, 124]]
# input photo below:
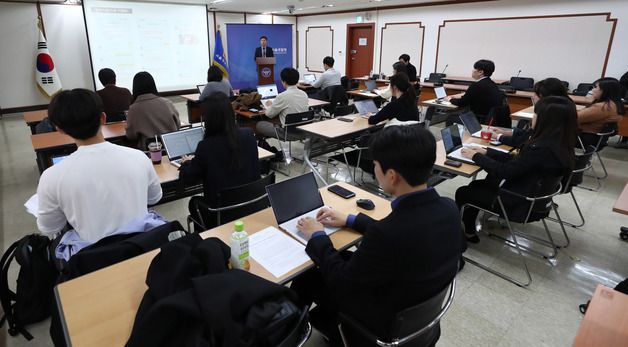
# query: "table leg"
[[306, 159]]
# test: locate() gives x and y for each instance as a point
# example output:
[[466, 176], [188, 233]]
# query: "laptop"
[[56, 160], [440, 93], [289, 210], [309, 78], [365, 107], [370, 85], [180, 143], [200, 88], [453, 144], [472, 124], [267, 91]]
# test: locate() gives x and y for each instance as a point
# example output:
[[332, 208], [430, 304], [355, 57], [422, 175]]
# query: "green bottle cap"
[[239, 225]]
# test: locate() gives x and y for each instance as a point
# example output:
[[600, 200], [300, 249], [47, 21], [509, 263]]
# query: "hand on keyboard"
[[186, 158]]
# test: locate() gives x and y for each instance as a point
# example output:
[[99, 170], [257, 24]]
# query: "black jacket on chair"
[[212, 164], [480, 97], [404, 259], [521, 172]]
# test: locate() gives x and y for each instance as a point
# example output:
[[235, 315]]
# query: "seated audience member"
[[150, 114], [227, 155], [404, 259], [102, 189], [291, 100], [548, 153], [411, 69], [216, 82], [483, 94], [607, 107], [403, 107], [518, 136], [386, 93], [116, 100], [329, 78]]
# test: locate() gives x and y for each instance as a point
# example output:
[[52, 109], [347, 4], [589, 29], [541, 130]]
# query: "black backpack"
[[32, 300]]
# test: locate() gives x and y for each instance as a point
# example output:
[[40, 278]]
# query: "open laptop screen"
[[440, 92], [183, 142], [200, 88], [370, 85], [366, 106], [470, 122], [294, 197], [267, 91], [451, 138], [309, 78]]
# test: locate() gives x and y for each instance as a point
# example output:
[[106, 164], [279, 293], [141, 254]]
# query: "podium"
[[265, 70]]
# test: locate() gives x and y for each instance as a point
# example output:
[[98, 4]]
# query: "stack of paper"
[[32, 205], [276, 252]]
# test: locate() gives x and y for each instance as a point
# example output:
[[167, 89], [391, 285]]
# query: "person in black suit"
[[519, 135], [482, 95], [263, 51], [548, 153], [227, 155], [405, 59], [403, 259]]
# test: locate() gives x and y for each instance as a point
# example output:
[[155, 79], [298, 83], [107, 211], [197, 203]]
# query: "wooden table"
[[333, 135], [312, 103], [48, 144], [621, 205], [174, 189], [194, 107], [444, 105], [606, 321], [33, 118], [98, 309], [466, 170], [528, 113]]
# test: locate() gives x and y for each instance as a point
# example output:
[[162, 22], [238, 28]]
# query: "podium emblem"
[[266, 72]]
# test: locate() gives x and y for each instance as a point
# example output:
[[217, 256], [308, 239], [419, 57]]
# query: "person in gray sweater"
[[216, 83]]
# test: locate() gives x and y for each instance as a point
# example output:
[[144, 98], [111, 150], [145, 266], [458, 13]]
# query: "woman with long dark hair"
[[404, 106], [548, 153], [216, 82], [607, 107], [150, 114], [227, 155]]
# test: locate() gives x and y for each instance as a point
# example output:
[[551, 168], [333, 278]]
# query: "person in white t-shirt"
[[101, 187]]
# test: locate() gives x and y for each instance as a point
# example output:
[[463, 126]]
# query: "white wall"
[[433, 16]]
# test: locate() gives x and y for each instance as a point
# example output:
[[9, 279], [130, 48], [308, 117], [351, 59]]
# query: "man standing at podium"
[[263, 51]]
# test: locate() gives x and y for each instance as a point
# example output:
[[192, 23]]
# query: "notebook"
[[366, 106], [309, 78], [294, 199], [267, 91], [453, 144], [180, 143]]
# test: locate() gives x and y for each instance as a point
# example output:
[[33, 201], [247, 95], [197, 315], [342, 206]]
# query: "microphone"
[[445, 69], [518, 72]]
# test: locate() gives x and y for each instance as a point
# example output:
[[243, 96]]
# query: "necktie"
[[264, 52]]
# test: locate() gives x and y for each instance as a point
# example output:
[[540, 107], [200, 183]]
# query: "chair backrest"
[[500, 116], [343, 110], [522, 83], [581, 164], [296, 119], [301, 332], [418, 320], [582, 89], [336, 95], [544, 190]]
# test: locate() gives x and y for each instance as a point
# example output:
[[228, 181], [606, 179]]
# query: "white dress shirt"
[[330, 77], [292, 100], [96, 189]]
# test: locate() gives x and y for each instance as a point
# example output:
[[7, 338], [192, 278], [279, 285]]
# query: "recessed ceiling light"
[[328, 5]]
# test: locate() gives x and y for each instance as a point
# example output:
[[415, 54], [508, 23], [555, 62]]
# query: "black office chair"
[[288, 131], [349, 83], [230, 204], [337, 96], [540, 205], [499, 116], [301, 332], [582, 89], [412, 327], [522, 83], [582, 164], [116, 117], [608, 130]]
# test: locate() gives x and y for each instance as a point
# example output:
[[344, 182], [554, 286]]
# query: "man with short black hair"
[[482, 95], [404, 259], [116, 100], [264, 51], [411, 69], [101, 187], [291, 100], [330, 77]]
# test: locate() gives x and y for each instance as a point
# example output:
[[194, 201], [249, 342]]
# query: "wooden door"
[[360, 49]]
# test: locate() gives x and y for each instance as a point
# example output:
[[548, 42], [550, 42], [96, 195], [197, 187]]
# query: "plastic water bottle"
[[240, 247]]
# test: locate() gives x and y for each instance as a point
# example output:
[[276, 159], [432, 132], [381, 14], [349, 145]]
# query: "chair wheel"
[[623, 235]]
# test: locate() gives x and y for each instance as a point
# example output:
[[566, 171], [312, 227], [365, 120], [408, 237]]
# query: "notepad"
[[32, 205], [276, 252]]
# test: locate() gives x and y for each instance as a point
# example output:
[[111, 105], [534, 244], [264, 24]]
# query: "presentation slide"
[[167, 40]]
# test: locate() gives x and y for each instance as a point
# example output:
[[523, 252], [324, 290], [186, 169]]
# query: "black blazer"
[[212, 164], [480, 97], [395, 109], [411, 72], [404, 259], [269, 52], [518, 138], [521, 173]]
